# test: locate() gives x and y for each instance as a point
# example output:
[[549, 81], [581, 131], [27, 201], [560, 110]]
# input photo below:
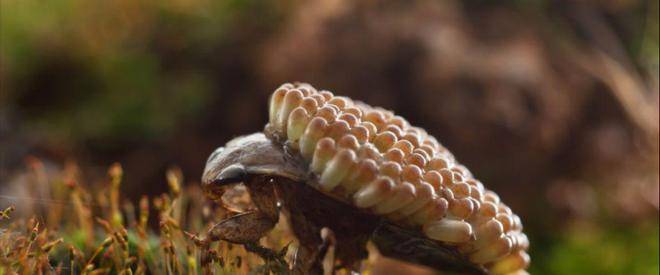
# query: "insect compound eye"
[[232, 174]]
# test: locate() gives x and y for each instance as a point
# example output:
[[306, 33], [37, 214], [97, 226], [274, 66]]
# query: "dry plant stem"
[[105, 244], [82, 212], [25, 246], [115, 172]]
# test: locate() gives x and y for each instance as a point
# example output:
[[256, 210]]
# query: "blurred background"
[[553, 104]]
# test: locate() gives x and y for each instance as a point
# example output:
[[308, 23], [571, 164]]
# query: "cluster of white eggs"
[[383, 165]]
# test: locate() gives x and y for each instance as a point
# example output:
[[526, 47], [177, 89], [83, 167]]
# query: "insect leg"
[[241, 229], [327, 251]]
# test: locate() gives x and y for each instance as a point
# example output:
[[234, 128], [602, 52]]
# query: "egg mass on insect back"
[[374, 165]]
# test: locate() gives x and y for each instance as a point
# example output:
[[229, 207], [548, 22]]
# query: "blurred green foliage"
[[604, 249], [134, 70]]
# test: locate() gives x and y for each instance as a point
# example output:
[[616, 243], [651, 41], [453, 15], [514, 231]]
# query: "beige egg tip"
[[494, 251], [394, 154], [412, 173], [447, 177], [391, 169], [371, 128], [384, 140], [394, 129], [337, 169], [368, 151], [423, 195], [460, 189], [337, 129], [434, 178], [361, 133], [354, 111], [374, 192], [398, 121], [448, 230], [325, 150], [349, 141], [350, 119], [298, 120], [326, 112], [310, 105], [518, 260], [327, 95], [292, 99], [338, 101], [435, 210], [275, 103], [505, 220], [492, 197], [416, 159], [520, 240], [314, 131], [366, 171], [487, 232], [375, 117], [487, 211], [461, 208], [402, 195], [517, 223]]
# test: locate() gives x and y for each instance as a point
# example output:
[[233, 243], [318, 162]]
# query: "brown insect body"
[[345, 172], [275, 178]]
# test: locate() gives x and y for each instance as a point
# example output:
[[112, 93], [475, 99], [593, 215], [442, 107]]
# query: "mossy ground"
[[85, 229]]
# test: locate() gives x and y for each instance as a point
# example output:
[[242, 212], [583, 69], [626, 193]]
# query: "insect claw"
[[200, 242], [285, 249]]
